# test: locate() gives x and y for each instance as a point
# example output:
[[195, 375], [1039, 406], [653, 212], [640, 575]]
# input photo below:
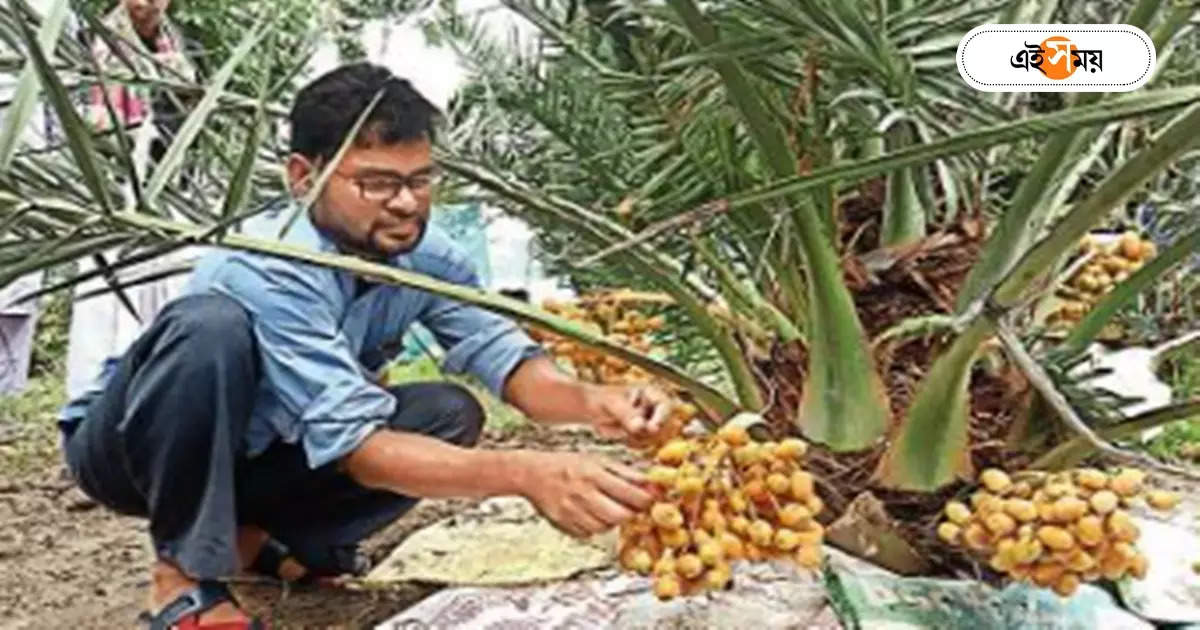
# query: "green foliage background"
[[216, 26], [544, 121]]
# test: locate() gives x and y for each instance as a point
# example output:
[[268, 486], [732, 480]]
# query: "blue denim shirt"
[[320, 345]]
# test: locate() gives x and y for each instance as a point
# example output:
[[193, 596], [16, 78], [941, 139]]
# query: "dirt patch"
[[69, 563]]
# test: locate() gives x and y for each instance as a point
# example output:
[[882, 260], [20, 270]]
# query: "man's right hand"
[[582, 495]]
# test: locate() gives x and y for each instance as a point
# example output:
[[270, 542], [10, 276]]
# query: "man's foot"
[[259, 553], [167, 583]]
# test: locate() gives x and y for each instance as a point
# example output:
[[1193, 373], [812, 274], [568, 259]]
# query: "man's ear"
[[300, 173]]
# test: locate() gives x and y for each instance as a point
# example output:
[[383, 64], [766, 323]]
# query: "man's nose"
[[404, 203]]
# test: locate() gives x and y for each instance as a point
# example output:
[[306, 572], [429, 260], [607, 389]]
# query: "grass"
[[1183, 373], [1180, 438], [28, 431], [28, 428]]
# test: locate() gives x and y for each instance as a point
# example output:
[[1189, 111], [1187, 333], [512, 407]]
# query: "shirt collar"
[[301, 233]]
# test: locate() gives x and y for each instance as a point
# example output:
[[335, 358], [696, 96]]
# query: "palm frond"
[[24, 99]]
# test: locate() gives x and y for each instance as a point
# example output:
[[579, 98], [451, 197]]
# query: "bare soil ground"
[[67, 563]]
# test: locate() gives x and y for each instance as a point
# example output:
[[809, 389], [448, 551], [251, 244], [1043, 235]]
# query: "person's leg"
[[321, 515], [16, 350], [163, 439]]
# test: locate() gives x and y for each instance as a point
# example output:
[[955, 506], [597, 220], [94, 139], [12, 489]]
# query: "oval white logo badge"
[[1056, 58]]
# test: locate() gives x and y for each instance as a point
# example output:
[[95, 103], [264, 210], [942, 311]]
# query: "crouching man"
[[244, 423]]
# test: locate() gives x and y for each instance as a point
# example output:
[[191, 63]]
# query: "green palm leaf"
[[174, 158], [940, 408], [20, 110], [79, 137], [1121, 108]]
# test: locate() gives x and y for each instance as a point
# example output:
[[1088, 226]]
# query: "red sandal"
[[183, 613]]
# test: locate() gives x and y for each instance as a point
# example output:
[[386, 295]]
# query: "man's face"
[[377, 199], [147, 11]]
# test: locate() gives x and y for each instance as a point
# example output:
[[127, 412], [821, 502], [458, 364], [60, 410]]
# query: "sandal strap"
[[207, 595], [270, 558], [253, 624]]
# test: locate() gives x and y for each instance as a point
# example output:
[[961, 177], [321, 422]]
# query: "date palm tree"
[[844, 228], [818, 169]]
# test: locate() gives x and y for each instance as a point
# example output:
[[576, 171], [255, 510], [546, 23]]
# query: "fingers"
[[635, 414], [567, 522], [651, 408], [589, 514], [627, 473], [604, 509], [631, 416], [658, 417], [611, 499], [621, 485], [570, 518], [609, 430], [583, 522], [580, 495]]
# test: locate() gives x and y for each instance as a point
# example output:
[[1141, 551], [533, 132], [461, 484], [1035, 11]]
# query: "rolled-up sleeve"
[[477, 341], [307, 358]]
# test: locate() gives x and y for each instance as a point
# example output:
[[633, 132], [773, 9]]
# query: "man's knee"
[[444, 410], [216, 323], [459, 405]]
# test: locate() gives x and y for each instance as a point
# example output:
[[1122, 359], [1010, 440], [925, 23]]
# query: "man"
[[244, 423]]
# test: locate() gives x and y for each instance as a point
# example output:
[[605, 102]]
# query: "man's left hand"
[[635, 414]]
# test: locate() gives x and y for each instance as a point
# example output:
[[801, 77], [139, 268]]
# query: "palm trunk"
[[903, 212], [940, 410], [844, 404]]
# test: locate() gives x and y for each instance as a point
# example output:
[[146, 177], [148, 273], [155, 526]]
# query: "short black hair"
[[326, 110]]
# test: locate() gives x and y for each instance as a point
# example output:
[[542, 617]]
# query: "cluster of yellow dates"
[[1110, 265], [1055, 530], [616, 319], [723, 498], [614, 315]]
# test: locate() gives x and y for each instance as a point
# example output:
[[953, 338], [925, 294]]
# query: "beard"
[[379, 242], [377, 239]]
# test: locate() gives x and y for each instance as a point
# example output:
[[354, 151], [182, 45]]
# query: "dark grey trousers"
[[165, 441]]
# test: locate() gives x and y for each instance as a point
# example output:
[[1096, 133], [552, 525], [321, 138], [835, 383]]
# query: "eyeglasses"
[[384, 188]]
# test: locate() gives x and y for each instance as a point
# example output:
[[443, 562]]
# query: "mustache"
[[378, 226], [387, 222]]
